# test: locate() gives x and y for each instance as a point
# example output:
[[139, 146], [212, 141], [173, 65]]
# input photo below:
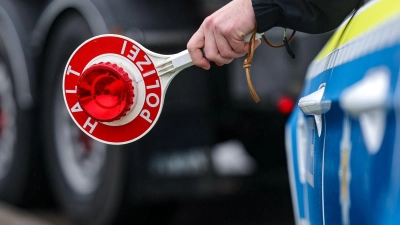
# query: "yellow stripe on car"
[[368, 17]]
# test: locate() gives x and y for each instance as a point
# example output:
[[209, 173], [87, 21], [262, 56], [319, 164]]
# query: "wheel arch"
[[52, 16], [17, 58]]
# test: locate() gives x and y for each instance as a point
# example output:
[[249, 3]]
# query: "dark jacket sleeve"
[[309, 16]]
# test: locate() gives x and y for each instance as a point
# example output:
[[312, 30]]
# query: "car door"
[[360, 127], [305, 141], [355, 159]]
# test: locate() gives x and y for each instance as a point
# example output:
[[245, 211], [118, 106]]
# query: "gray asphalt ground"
[[250, 209], [10, 215]]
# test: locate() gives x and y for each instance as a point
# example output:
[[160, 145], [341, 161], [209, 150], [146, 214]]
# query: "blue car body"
[[343, 141]]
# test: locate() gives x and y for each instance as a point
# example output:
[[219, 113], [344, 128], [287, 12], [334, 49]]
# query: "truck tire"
[[15, 140], [86, 176]]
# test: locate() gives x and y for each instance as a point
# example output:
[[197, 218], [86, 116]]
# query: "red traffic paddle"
[[114, 88]]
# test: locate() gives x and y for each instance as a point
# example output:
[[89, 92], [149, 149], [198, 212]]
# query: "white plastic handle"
[[247, 37], [182, 60]]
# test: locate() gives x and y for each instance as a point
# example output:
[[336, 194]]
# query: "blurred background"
[[214, 157]]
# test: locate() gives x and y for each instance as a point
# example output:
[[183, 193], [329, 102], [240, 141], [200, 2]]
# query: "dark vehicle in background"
[[211, 139]]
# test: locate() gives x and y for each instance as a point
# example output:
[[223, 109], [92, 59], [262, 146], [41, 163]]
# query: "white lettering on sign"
[[157, 85], [123, 47], [140, 63], [155, 97], [76, 108], [92, 126], [134, 53], [69, 70], [149, 73], [145, 114], [71, 91]]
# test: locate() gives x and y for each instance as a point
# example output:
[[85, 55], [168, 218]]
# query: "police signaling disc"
[[114, 88]]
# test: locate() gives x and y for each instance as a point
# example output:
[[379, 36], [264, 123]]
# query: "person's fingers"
[[234, 41], [195, 46], [212, 54], [224, 47], [210, 46], [256, 44]]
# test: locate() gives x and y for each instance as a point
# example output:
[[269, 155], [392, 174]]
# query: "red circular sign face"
[[153, 100]]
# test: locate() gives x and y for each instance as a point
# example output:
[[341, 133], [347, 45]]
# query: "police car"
[[342, 140]]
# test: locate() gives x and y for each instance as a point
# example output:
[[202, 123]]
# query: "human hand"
[[221, 34]]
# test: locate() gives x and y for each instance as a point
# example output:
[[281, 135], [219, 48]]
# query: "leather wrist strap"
[[250, 54]]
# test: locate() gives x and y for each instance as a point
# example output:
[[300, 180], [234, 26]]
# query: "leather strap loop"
[[247, 64], [250, 54], [279, 45]]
